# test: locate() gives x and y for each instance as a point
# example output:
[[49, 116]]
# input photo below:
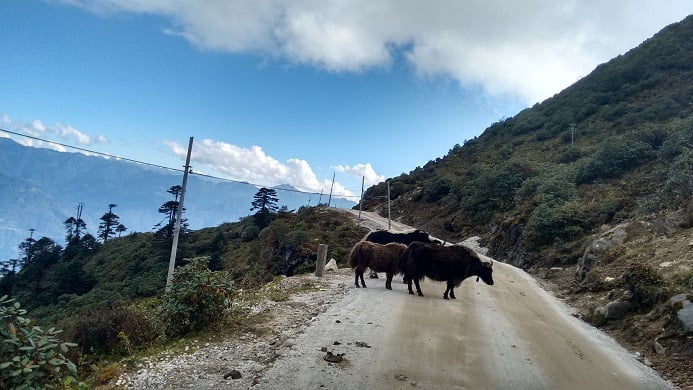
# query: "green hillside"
[[616, 145]]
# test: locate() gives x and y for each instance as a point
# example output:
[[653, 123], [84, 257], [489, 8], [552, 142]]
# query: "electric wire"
[[165, 167]]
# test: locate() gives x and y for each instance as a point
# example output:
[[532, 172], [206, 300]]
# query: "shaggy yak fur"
[[386, 237], [452, 264], [377, 257]]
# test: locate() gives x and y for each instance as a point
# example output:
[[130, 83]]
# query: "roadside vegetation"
[[109, 300]]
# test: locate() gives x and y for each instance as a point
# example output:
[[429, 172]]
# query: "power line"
[[92, 151], [164, 167]]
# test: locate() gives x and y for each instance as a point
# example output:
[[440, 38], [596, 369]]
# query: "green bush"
[[616, 156], [112, 330], [554, 221], [196, 297], [31, 358], [488, 190], [554, 183], [436, 189], [646, 284]]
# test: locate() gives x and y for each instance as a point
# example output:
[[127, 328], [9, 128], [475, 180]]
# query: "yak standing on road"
[[377, 257], [406, 238], [452, 264]]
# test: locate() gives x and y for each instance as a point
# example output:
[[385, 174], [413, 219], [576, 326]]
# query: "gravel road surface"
[[512, 335]]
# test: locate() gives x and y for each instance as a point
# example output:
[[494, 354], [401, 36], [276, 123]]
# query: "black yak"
[[377, 257], [452, 264], [406, 238]]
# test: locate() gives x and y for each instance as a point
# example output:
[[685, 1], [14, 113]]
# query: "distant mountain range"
[[41, 188]]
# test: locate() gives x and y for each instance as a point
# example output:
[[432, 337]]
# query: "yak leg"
[[409, 287], [450, 289], [359, 274], [388, 281], [418, 288]]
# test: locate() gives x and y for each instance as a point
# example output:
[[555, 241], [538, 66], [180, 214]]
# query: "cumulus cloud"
[[67, 131], [253, 165], [527, 50], [36, 128], [364, 171]]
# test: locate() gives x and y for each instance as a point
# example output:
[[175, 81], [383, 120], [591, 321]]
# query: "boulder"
[[233, 374], [684, 310], [607, 240], [615, 310], [331, 265]]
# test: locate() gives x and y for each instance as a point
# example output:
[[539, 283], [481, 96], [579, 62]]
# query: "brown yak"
[[377, 257]]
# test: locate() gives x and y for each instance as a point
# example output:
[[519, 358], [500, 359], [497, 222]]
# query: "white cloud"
[[529, 50], [67, 131], [364, 171], [254, 166], [36, 128]]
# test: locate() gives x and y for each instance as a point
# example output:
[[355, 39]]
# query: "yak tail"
[[353, 256]]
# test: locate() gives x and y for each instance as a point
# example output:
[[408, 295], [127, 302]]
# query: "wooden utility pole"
[[389, 223], [320, 263], [174, 247], [363, 181], [332, 186]]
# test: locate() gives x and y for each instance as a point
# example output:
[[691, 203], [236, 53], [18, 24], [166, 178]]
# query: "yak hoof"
[[357, 285], [421, 294], [411, 293]]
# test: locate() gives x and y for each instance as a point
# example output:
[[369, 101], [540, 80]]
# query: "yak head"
[[485, 272]]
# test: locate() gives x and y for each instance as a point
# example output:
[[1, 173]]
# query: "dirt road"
[[512, 335]]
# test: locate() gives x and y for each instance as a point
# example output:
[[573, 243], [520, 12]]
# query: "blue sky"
[[293, 92]]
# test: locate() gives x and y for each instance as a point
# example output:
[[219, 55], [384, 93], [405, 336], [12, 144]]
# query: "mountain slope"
[[591, 191], [615, 145]]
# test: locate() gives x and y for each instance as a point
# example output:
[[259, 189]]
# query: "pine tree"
[[265, 201], [170, 210], [73, 225], [109, 221]]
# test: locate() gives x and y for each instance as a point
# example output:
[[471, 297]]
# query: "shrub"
[[113, 330], [488, 190], [29, 356], [646, 284], [616, 156], [436, 189], [554, 221], [196, 297]]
